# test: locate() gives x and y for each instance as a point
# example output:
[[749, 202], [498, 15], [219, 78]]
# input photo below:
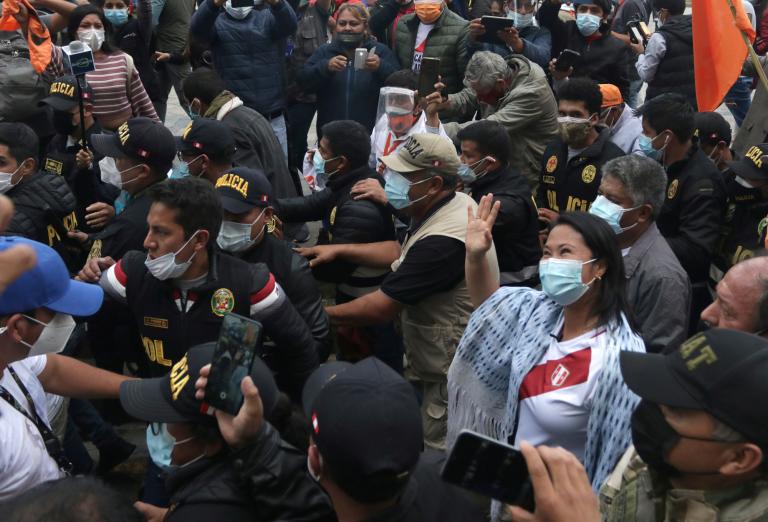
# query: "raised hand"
[[479, 238]]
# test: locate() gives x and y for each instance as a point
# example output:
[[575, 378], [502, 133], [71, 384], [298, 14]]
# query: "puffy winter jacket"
[[675, 70], [349, 94], [45, 212], [447, 41], [267, 480], [247, 53]]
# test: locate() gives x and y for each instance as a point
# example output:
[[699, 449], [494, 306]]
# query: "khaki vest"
[[433, 327]]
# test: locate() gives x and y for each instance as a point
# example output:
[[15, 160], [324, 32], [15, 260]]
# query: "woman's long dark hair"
[[611, 300], [81, 12]]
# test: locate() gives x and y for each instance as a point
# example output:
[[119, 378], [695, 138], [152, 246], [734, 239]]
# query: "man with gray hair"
[[514, 92], [631, 193], [741, 298]]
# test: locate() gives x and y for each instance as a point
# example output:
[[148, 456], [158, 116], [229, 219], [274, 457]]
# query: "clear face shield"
[[397, 110], [523, 12]]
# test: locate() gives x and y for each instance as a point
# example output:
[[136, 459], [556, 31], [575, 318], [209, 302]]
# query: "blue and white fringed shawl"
[[505, 338]]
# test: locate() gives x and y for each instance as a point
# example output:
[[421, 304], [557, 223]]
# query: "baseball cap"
[[206, 136], [47, 285], [171, 398], [611, 95], [754, 164], [719, 371], [62, 94], [240, 189], [142, 139], [424, 151], [711, 127], [366, 424]]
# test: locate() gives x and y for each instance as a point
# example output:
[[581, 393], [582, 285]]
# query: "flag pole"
[[750, 50]]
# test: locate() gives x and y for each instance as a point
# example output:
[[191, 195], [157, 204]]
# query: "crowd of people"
[[549, 247]]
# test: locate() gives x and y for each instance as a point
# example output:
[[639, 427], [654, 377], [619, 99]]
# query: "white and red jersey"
[[421, 43], [556, 395]]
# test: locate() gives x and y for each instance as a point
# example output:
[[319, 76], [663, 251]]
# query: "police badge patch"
[[222, 302]]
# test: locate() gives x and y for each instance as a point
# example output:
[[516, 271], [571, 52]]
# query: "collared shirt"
[[658, 291]]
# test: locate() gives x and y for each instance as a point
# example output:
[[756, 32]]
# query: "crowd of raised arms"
[[383, 260]]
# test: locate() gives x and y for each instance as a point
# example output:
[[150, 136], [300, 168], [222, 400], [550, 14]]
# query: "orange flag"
[[38, 37], [718, 48]]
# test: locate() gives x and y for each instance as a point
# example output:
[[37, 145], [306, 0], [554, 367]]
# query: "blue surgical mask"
[[588, 24], [182, 169], [561, 279], [646, 146], [611, 213], [319, 164], [521, 21], [467, 172], [397, 188], [160, 444], [116, 16], [236, 237]]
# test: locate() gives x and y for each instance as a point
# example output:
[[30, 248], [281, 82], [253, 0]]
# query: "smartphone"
[[239, 342], [428, 76], [372, 52], [242, 3], [568, 58], [491, 468], [361, 54], [492, 25]]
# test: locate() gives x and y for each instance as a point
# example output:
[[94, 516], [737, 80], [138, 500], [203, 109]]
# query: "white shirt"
[[625, 134], [556, 395], [24, 461], [384, 141], [421, 43]]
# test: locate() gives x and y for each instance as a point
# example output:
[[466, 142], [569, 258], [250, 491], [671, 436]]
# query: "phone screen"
[[428, 74], [567, 59], [489, 467], [239, 339]]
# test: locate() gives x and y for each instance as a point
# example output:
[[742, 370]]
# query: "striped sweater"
[[115, 99]]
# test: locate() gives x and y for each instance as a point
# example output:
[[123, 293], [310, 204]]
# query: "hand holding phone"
[[568, 58], [239, 341]]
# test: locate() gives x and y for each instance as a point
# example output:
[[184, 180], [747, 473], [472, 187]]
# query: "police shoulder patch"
[[53, 166], [588, 174], [672, 190], [222, 302], [551, 164]]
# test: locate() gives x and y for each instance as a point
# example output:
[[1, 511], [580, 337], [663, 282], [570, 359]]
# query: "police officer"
[[45, 207], [745, 218], [66, 157], [248, 232], [714, 136], [206, 149], [570, 173]]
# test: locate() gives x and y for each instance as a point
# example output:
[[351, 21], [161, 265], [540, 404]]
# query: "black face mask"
[[62, 122], [350, 40]]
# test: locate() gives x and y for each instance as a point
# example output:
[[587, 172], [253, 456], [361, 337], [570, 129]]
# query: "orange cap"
[[611, 95]]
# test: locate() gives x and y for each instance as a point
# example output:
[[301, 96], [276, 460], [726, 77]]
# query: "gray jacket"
[[528, 111], [658, 290]]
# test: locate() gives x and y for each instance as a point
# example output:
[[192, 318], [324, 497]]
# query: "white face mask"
[[109, 172], [238, 13], [236, 237], [6, 180], [315, 476], [166, 267], [93, 37], [54, 336]]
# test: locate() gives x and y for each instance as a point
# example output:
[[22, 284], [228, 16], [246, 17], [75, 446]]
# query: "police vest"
[[566, 186], [167, 332]]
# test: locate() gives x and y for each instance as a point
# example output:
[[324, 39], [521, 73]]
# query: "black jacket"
[[675, 70], [572, 185], [516, 231], [134, 38], [232, 285], [265, 481], [692, 214], [604, 59], [295, 277], [45, 212], [347, 221], [85, 184], [384, 19]]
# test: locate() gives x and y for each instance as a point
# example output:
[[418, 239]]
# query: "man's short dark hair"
[[349, 139], [669, 111], [195, 201], [20, 139], [404, 78], [71, 499], [675, 7], [490, 137], [204, 84], [583, 90]]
